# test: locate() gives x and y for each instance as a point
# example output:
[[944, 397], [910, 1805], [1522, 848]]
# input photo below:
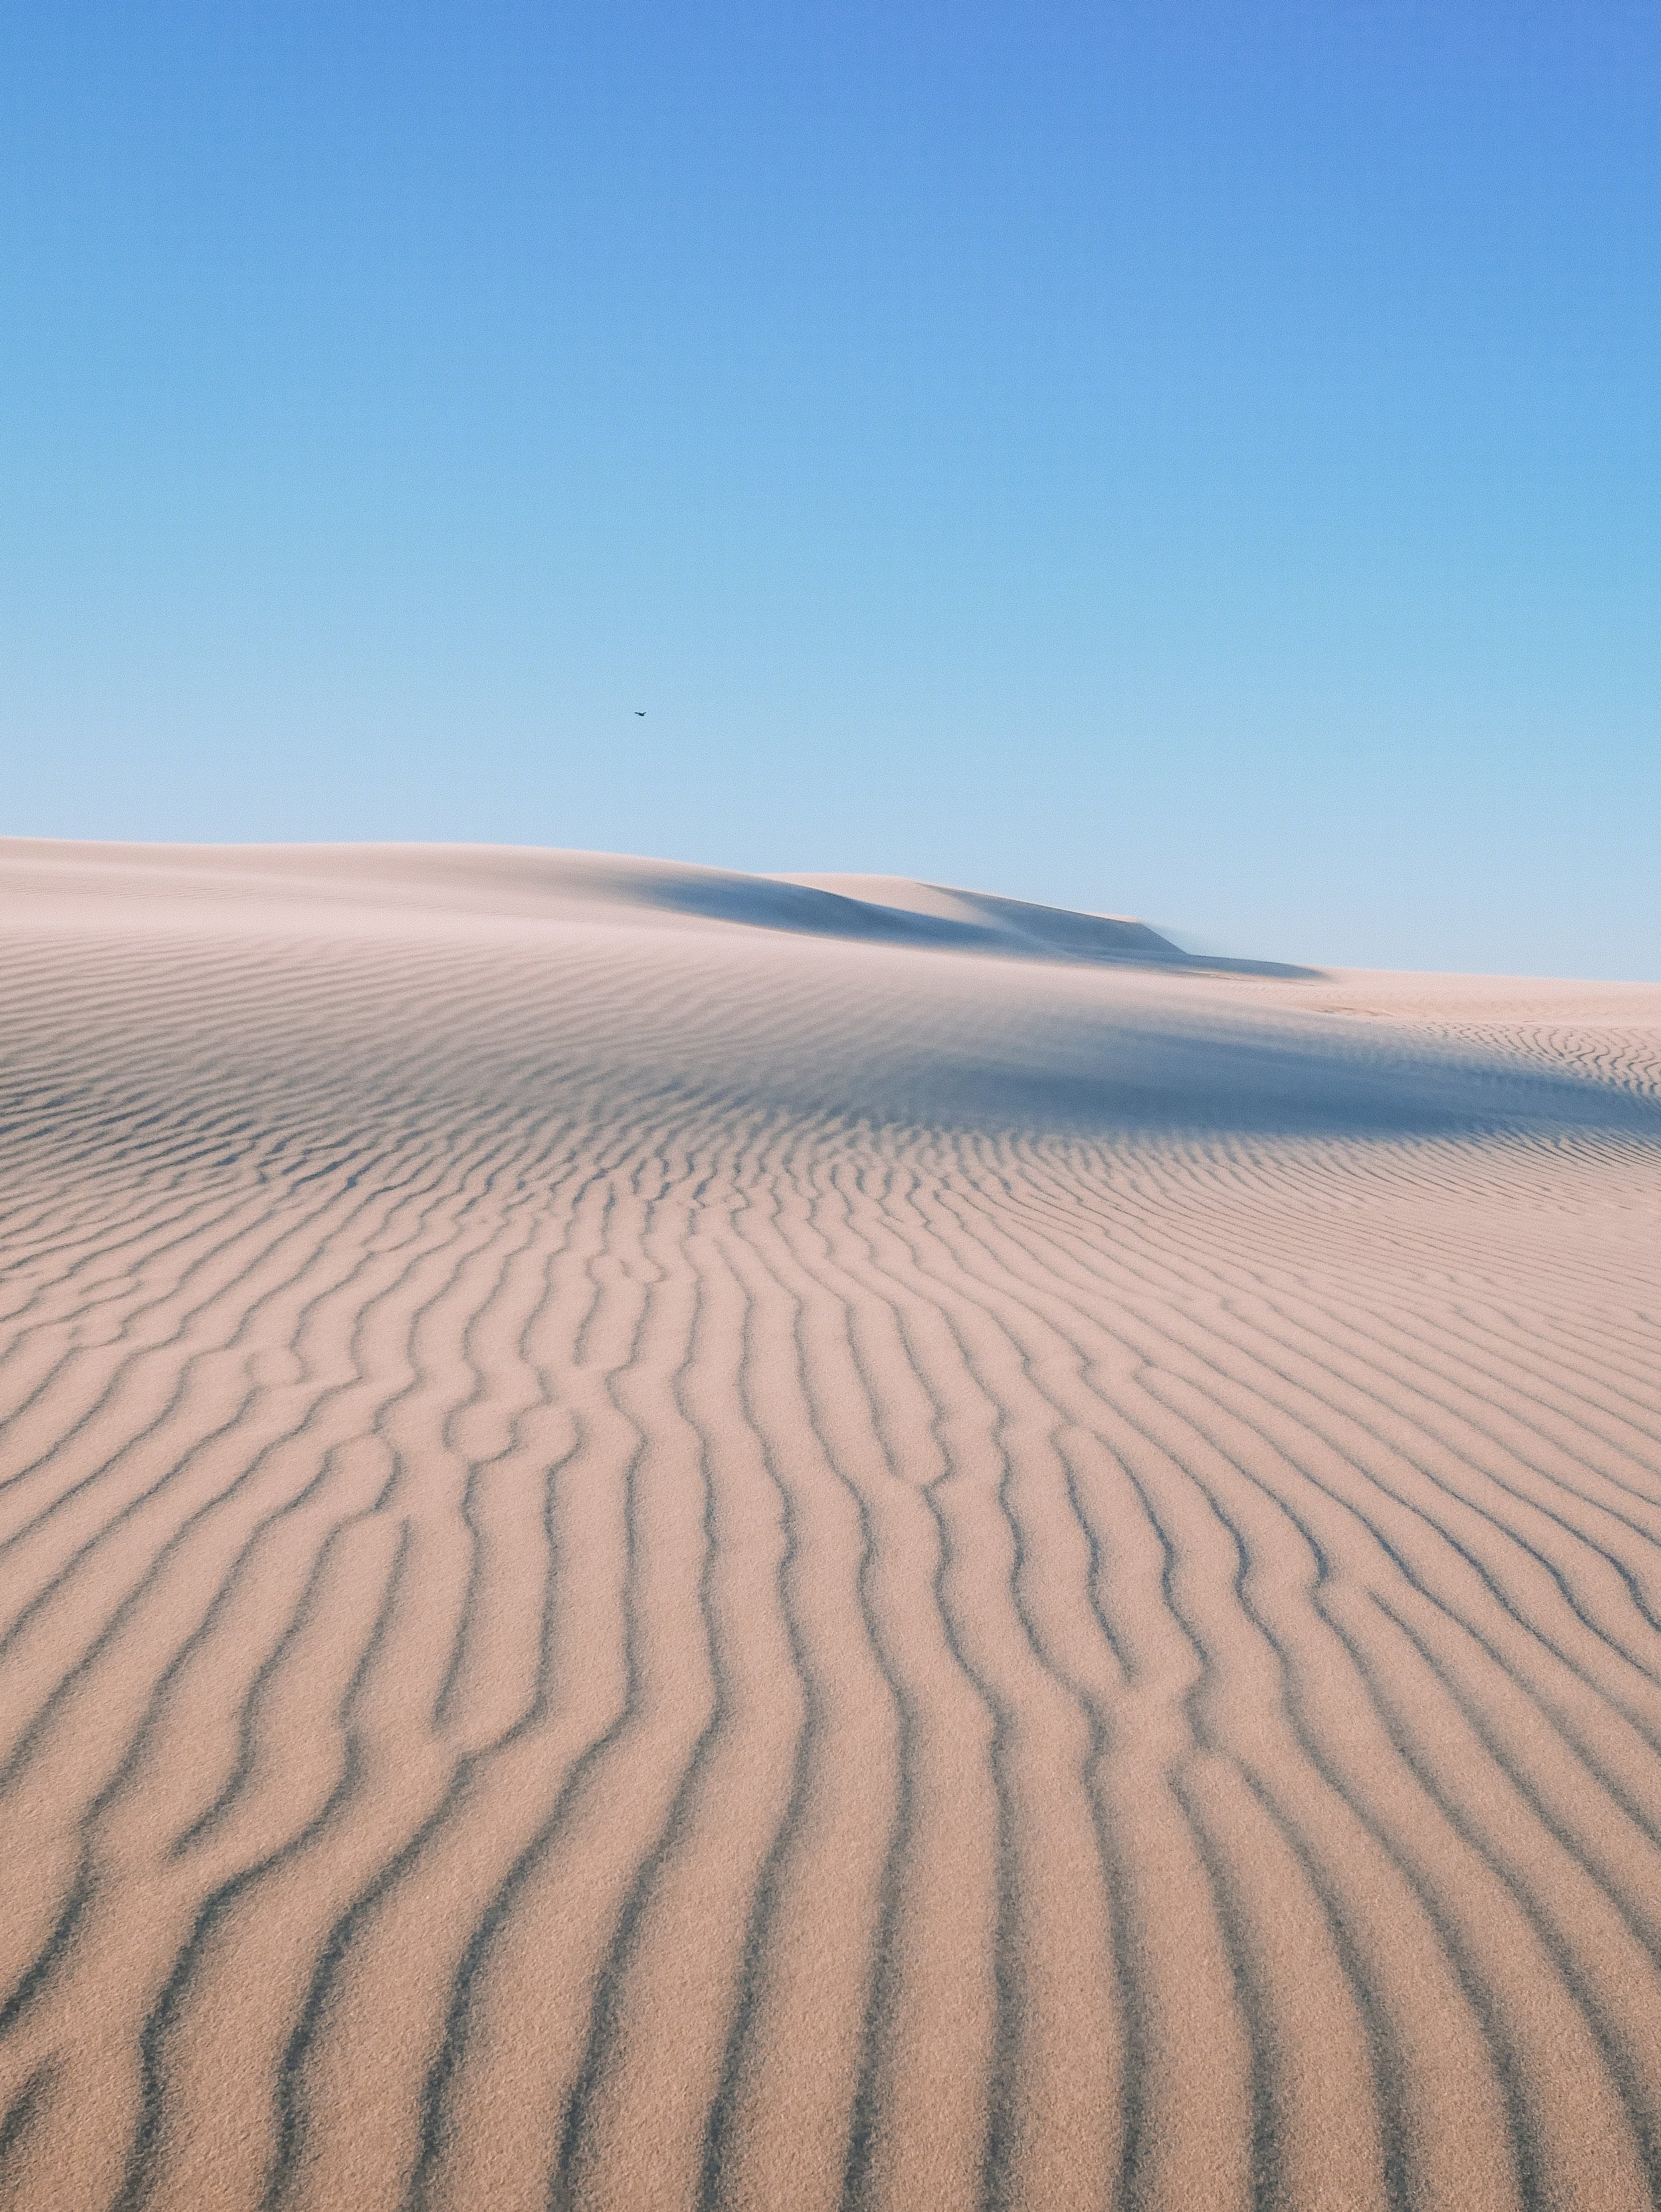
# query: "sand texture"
[[677, 1540]]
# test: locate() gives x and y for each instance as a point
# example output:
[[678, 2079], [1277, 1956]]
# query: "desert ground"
[[670, 1540]]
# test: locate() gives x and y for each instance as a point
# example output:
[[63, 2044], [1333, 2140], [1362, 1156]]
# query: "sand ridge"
[[669, 1545]]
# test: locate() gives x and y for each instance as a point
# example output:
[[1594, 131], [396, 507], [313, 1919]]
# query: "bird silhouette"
[[640, 714]]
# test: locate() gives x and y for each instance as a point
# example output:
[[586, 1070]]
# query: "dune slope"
[[669, 1542]]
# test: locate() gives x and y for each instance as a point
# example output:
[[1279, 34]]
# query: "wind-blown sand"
[[677, 1540]]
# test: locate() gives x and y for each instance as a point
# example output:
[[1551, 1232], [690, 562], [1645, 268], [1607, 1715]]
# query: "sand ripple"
[[650, 1562]]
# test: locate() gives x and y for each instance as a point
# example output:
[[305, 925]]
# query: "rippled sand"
[[661, 1545]]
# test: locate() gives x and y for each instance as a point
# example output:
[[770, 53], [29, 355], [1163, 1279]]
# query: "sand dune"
[[674, 1539]]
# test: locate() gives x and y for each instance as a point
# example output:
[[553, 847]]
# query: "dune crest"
[[680, 1540]]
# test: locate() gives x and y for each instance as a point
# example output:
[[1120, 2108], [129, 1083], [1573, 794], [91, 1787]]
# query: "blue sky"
[[1201, 460]]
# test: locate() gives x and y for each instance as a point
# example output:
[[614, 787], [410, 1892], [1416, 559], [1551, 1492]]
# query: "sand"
[[670, 1540]]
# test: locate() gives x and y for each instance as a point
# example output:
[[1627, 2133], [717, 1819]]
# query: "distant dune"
[[678, 1540]]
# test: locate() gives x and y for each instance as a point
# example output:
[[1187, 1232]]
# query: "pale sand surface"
[[671, 1541]]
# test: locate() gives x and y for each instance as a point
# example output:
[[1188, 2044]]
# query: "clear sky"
[[1181, 457]]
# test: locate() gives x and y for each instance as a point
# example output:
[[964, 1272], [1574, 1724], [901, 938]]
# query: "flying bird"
[[640, 713]]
